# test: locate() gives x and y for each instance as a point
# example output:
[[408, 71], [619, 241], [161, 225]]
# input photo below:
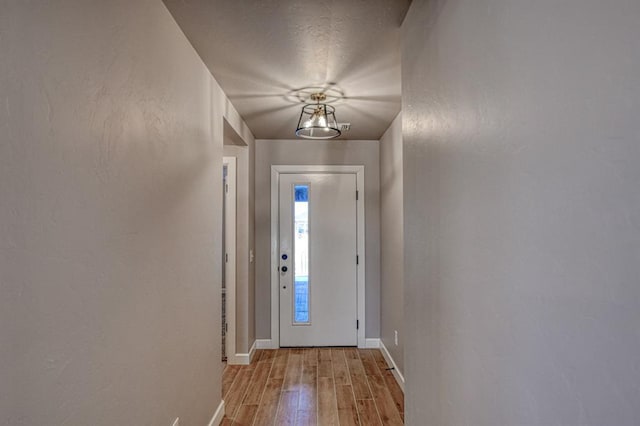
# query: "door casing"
[[230, 256], [276, 171]]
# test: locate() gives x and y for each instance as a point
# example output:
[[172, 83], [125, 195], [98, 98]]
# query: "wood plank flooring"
[[312, 387]]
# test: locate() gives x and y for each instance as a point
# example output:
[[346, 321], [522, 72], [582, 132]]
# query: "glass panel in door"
[[301, 303]]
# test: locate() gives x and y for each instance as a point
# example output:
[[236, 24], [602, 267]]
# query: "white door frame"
[[230, 257], [276, 171]]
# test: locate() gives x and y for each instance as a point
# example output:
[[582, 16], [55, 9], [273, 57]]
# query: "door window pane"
[[301, 254]]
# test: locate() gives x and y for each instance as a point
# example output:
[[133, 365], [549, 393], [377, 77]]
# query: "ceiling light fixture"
[[318, 121]]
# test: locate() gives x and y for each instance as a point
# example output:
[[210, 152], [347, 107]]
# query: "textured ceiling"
[[263, 51]]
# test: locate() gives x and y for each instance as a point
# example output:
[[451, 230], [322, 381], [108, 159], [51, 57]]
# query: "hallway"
[[497, 214], [323, 386]]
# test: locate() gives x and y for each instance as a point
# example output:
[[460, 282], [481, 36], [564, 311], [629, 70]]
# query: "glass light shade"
[[318, 121]]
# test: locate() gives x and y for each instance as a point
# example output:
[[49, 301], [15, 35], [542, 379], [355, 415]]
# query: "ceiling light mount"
[[318, 121], [318, 97], [333, 93]]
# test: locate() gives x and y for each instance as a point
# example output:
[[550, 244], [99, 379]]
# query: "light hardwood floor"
[[312, 386]]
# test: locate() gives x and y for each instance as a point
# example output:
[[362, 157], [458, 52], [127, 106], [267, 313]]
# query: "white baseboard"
[[238, 359], [391, 363], [244, 359], [218, 415], [264, 344], [371, 343], [252, 351]]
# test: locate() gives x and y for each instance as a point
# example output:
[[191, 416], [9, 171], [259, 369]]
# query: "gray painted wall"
[[522, 212], [295, 152], [391, 242], [110, 199]]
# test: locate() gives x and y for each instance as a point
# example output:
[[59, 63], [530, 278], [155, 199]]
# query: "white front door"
[[317, 259]]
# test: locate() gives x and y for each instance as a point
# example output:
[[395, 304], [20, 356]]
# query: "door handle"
[[284, 269]]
